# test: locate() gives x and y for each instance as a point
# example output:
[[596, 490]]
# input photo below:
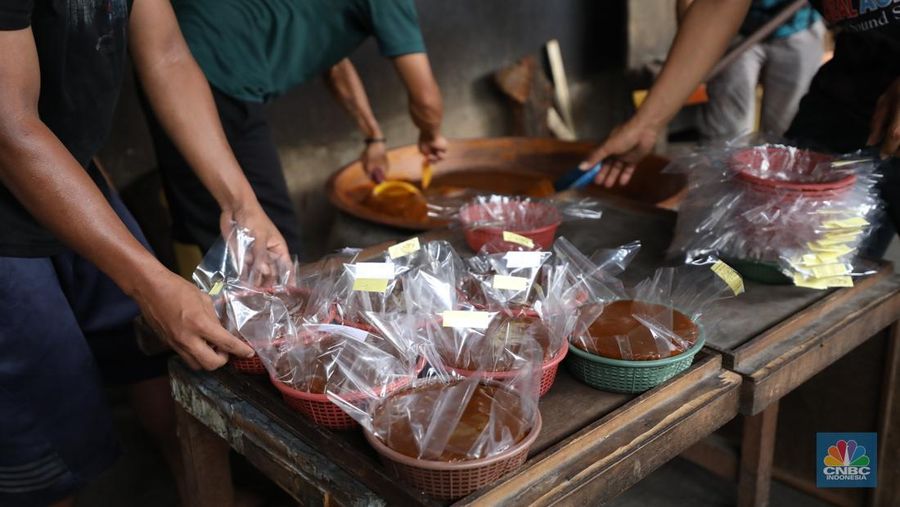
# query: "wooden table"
[[594, 444]]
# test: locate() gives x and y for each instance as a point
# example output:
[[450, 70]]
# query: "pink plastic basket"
[[478, 237], [322, 411], [449, 481], [548, 371]]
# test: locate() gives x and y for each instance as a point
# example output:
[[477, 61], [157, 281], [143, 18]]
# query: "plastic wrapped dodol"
[[501, 223], [658, 318], [443, 416], [805, 213]]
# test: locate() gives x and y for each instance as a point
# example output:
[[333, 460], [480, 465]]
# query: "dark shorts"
[[195, 213], [66, 330]]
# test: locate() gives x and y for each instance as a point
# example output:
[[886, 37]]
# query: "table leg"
[[888, 491], [206, 463], [757, 450]]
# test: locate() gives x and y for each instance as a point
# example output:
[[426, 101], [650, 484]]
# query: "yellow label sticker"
[[216, 288], [847, 223], [511, 237], [403, 249], [837, 249], [503, 282], [828, 270], [476, 320], [370, 284], [729, 276], [835, 238], [809, 283], [822, 283]]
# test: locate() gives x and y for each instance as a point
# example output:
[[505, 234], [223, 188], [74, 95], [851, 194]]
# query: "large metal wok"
[[504, 157]]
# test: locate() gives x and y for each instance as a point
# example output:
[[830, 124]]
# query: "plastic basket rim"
[[560, 355], [490, 229], [442, 466], [701, 341], [835, 186], [323, 397]]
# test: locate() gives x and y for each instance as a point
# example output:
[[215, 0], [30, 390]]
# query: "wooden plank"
[[757, 450], [304, 467], [787, 328], [817, 345], [888, 491], [600, 461], [206, 467]]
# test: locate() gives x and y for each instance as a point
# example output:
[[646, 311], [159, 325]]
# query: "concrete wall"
[[467, 41]]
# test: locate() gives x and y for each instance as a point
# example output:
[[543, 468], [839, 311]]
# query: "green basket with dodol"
[[621, 376]]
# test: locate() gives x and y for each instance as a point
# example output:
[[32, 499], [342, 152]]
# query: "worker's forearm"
[[55, 189], [426, 108], [705, 32], [347, 88], [183, 103]]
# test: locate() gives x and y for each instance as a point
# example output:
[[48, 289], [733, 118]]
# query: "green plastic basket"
[[623, 376], [758, 271]]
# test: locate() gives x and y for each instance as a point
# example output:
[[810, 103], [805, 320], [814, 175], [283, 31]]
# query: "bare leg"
[[152, 402]]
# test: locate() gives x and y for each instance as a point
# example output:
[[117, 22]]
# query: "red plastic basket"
[[478, 237], [746, 160], [449, 481], [322, 411], [254, 365], [548, 371], [251, 366]]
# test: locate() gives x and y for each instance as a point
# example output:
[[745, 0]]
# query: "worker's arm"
[[886, 121], [182, 101], [698, 45], [426, 107], [41, 173], [344, 83], [681, 7]]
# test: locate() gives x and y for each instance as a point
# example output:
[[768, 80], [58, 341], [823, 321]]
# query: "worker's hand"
[[621, 151], [375, 162], [268, 258], [432, 145], [885, 127], [183, 317]]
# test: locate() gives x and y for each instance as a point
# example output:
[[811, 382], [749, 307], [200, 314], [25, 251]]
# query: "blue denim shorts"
[[65, 331]]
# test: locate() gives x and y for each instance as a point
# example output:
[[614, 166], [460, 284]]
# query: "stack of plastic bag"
[[803, 212]]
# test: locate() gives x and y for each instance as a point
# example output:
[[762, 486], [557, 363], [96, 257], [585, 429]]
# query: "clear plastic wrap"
[[502, 223], [658, 318], [259, 308], [443, 417], [804, 213]]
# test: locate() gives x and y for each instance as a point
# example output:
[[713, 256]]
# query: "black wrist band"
[[373, 140]]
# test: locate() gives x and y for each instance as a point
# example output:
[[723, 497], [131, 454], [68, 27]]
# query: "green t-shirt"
[[255, 50]]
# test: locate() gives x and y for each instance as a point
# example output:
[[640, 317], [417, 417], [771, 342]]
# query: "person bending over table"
[[853, 101], [75, 270], [253, 51]]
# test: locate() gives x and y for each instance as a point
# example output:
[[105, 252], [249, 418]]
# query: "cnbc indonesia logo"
[[848, 461]]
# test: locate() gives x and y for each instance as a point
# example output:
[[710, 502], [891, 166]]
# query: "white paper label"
[[375, 270], [524, 259], [476, 320], [350, 332]]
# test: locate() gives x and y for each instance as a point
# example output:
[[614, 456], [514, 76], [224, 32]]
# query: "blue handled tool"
[[576, 178]]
